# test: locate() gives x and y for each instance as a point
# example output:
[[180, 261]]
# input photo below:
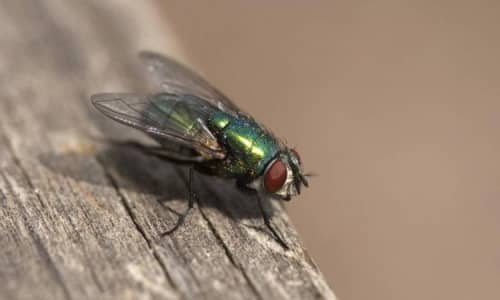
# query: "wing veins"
[[142, 125]]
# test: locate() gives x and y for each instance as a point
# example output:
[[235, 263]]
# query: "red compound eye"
[[275, 176]]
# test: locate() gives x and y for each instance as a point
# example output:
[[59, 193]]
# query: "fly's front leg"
[[191, 199], [267, 221]]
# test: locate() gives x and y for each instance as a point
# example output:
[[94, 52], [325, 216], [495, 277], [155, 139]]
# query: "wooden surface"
[[79, 219]]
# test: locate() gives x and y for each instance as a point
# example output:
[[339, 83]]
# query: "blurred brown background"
[[396, 105]]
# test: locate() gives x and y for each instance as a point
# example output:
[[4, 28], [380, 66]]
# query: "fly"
[[221, 139]]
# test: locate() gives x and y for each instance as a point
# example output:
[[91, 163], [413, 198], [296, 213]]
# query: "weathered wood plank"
[[79, 219]]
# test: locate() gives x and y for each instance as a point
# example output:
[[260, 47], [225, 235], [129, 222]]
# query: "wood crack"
[[50, 263], [228, 253], [41, 249], [92, 272], [141, 231]]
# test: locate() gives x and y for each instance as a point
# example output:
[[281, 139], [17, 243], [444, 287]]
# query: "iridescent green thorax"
[[249, 146]]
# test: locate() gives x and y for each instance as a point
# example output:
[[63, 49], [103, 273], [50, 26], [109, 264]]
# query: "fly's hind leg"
[[192, 198], [267, 221], [162, 153]]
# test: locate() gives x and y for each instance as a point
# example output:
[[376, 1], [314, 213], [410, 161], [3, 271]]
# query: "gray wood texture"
[[80, 219]]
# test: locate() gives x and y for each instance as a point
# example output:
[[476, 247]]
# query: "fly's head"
[[283, 176]]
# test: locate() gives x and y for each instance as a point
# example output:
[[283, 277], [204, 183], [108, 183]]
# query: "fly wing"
[[175, 78], [169, 118]]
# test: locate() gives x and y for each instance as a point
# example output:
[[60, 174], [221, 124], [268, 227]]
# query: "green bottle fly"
[[189, 113]]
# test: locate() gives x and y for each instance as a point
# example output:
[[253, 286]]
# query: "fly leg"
[[157, 151], [192, 197], [163, 153], [267, 221]]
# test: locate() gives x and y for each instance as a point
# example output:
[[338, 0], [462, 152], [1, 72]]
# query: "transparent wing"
[[176, 78], [169, 118]]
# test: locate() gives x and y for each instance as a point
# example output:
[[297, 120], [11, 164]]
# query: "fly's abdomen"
[[249, 147]]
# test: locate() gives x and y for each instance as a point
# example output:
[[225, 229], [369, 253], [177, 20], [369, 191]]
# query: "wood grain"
[[80, 219]]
